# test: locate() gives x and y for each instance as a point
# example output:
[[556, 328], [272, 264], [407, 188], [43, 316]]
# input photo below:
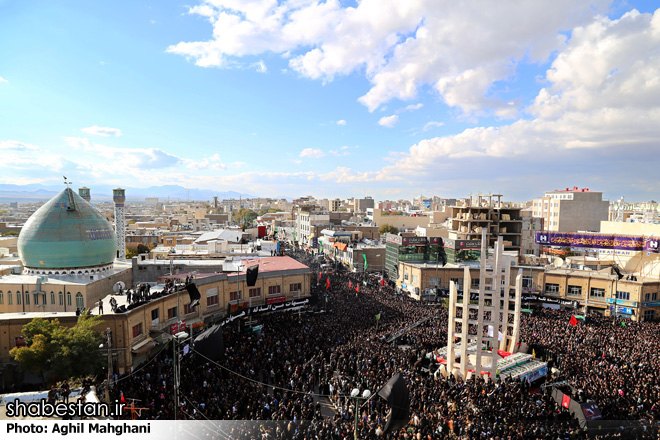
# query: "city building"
[[483, 213], [571, 210]]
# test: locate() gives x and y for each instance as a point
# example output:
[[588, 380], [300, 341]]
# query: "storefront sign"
[[178, 327], [413, 240], [276, 299]]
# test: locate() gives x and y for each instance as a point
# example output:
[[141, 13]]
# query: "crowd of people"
[[298, 363]]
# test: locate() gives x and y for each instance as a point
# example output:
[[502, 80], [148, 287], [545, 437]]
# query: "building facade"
[[571, 210]]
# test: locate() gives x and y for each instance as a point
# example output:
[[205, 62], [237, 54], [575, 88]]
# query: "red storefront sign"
[[178, 327], [276, 299]]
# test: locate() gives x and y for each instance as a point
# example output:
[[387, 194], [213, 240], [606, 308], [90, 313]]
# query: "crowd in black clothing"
[[279, 374]]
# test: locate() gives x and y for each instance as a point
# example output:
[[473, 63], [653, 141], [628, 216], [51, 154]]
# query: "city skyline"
[[333, 99]]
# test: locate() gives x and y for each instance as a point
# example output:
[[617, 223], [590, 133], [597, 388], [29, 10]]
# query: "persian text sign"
[[599, 241]]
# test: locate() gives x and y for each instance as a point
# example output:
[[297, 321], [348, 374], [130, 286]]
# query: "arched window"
[[80, 304], [18, 297], [52, 298], [9, 298], [2, 297], [61, 295], [36, 299], [68, 298], [27, 298]]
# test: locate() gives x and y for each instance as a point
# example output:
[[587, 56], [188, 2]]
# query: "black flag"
[[395, 392], [251, 275], [442, 256], [211, 344], [194, 295]]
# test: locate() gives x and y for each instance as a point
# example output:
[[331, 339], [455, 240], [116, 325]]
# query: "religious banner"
[[599, 241]]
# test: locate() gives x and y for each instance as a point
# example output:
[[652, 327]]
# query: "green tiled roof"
[[67, 232]]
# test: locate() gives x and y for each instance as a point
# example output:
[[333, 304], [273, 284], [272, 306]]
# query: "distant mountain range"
[[36, 192]]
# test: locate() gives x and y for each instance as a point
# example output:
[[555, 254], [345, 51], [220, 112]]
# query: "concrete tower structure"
[[84, 193], [477, 331], [119, 197]]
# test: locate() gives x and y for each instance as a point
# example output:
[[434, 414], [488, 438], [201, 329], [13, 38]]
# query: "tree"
[[388, 229], [65, 352]]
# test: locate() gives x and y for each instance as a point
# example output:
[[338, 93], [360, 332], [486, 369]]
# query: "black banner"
[[254, 310]]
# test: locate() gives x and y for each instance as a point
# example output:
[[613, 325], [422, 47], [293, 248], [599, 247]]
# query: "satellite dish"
[[558, 262], [119, 285]]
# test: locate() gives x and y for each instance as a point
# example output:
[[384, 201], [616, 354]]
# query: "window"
[[52, 298], [2, 297], [234, 296], [654, 297], [434, 282], [274, 290], [255, 292], [171, 313], [597, 293], [9, 298], [647, 297], [574, 291], [475, 283], [187, 310], [296, 287], [80, 303], [527, 281], [36, 299], [649, 315], [458, 282], [212, 297], [27, 298], [61, 295], [552, 288], [137, 330], [18, 298], [68, 298], [623, 295], [155, 314]]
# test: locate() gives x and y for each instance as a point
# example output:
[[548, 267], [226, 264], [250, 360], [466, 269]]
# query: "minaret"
[[119, 197], [84, 193]]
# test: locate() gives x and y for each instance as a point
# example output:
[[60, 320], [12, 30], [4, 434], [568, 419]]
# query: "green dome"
[[67, 232]]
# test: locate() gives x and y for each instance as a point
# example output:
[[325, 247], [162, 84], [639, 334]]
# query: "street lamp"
[[355, 394]]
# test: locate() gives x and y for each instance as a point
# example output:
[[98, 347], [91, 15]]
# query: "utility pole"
[[108, 336]]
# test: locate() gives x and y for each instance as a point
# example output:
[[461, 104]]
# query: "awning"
[[340, 246], [143, 346]]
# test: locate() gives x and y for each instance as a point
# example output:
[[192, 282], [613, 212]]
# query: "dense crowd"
[[297, 362]]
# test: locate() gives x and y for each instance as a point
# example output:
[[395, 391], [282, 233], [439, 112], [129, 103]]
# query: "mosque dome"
[[66, 233]]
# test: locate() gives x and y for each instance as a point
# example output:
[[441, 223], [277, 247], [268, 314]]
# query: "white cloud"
[[343, 151], [10, 145], [312, 152], [260, 66], [102, 131], [603, 94], [412, 107], [388, 121], [432, 124], [208, 163], [341, 122], [2, 80], [400, 46], [77, 143]]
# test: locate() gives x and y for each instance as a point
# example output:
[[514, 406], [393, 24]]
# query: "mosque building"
[[68, 251]]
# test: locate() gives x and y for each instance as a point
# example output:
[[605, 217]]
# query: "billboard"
[[599, 241]]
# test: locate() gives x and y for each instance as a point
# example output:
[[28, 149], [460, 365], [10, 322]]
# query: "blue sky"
[[333, 99]]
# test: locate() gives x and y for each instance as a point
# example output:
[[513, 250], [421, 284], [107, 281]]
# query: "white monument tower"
[[119, 197], [477, 331]]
